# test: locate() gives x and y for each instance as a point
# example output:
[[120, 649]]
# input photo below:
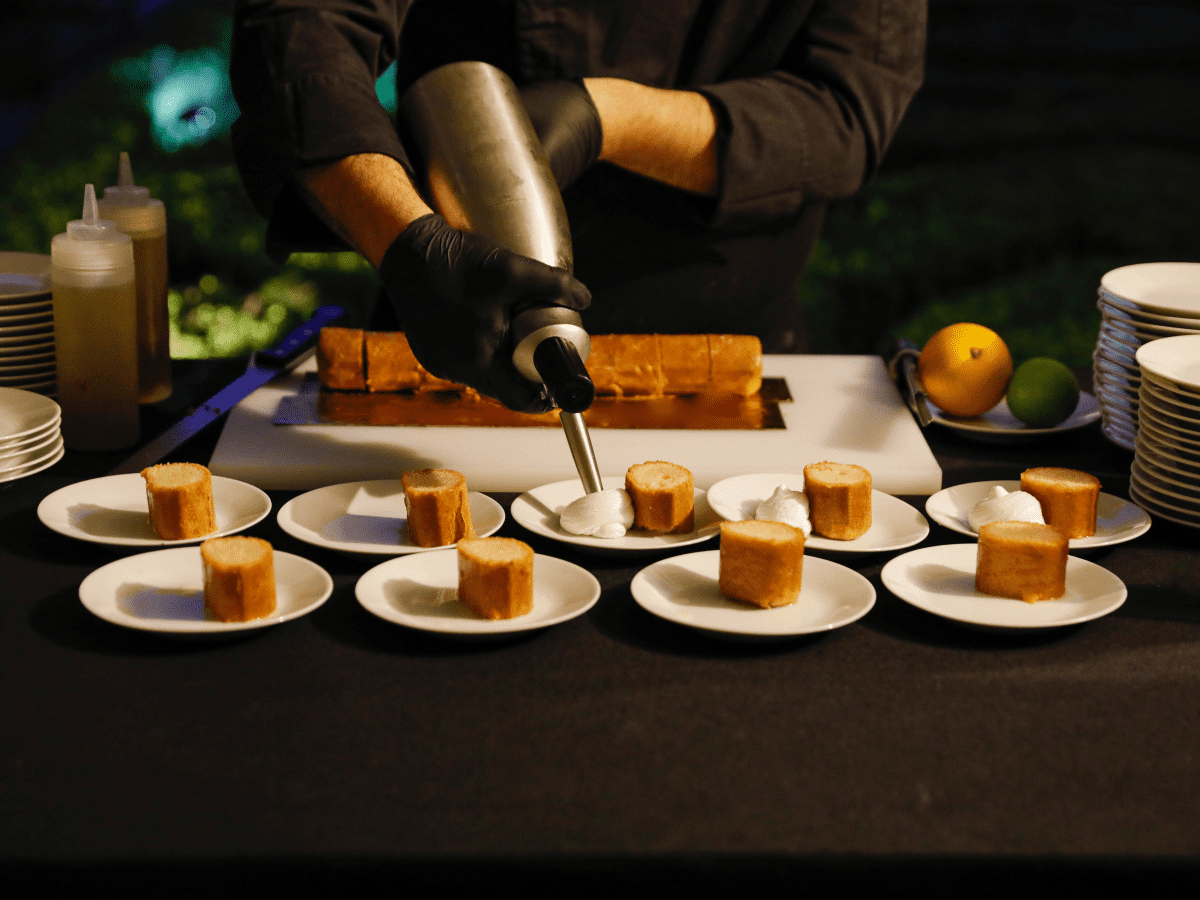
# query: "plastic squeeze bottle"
[[95, 331], [144, 219]]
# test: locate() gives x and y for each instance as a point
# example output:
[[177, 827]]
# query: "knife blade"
[[904, 364], [263, 366]]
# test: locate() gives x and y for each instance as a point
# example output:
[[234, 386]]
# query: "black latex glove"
[[456, 292], [567, 124]]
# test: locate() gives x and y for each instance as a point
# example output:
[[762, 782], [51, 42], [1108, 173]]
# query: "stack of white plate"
[[1138, 304], [1165, 479], [30, 434], [26, 323]]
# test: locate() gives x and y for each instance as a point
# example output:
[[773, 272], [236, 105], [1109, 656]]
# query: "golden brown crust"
[[180, 500], [736, 363], [438, 507], [340, 358], [1068, 498], [495, 577], [663, 495], [686, 361], [1021, 560], [239, 578], [761, 562], [839, 499], [391, 365]]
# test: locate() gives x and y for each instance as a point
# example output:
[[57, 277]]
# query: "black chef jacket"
[[807, 96]]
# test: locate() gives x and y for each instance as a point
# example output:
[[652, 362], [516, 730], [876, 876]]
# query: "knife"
[[263, 366], [904, 364]]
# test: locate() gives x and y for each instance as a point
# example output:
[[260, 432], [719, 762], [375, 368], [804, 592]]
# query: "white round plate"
[[44, 443], [1175, 359], [999, 425], [419, 591], [37, 308], [1175, 452], [1150, 419], [1170, 288], [27, 440], [1162, 511], [1167, 482], [684, 589], [1119, 436], [1170, 500], [941, 580], [1185, 405], [1114, 368], [894, 523], [163, 591], [1111, 308], [113, 510], [539, 510], [31, 467], [369, 517], [22, 413], [1117, 520], [1169, 412], [23, 276]]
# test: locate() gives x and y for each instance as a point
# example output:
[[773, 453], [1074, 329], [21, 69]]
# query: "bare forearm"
[[367, 199], [666, 135]]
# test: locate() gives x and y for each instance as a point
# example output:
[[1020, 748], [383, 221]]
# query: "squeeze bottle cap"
[[90, 242], [131, 206]]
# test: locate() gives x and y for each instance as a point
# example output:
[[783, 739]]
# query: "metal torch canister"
[[485, 171]]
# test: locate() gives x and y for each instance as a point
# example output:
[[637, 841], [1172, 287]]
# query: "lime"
[[1043, 392]]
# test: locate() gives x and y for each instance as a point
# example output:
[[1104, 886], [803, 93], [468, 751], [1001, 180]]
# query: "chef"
[[697, 143]]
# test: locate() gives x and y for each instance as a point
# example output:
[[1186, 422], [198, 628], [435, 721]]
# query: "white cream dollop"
[[1003, 506], [604, 514], [787, 506]]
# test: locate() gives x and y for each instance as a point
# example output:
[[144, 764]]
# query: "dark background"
[[1052, 141]]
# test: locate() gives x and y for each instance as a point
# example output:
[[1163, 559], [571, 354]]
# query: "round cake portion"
[[663, 495], [495, 577], [761, 562], [438, 507], [1068, 498], [239, 577], [839, 499], [180, 500], [1021, 560]]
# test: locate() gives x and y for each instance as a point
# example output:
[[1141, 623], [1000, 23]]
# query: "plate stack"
[[1138, 304], [26, 323], [30, 434], [1165, 479]]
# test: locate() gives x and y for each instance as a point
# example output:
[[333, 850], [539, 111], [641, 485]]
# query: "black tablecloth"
[[615, 753]]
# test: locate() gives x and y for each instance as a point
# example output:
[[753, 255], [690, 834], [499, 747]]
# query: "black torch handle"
[[564, 374]]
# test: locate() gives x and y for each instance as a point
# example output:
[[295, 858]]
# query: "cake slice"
[[735, 364], [761, 562], [180, 499], [239, 578], [686, 362], [663, 496], [340, 358], [391, 365], [1068, 498], [495, 577], [438, 507], [839, 499], [1021, 560]]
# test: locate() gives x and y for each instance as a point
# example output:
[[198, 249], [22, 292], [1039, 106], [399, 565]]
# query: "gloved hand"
[[456, 292], [567, 124]]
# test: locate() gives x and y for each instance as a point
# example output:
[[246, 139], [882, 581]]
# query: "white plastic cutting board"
[[844, 409]]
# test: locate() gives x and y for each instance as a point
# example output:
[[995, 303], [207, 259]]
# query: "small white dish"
[[419, 591], [23, 276], [32, 467], [368, 517], [163, 591], [894, 523], [685, 590], [1163, 511], [1175, 359], [1169, 288], [1151, 420], [999, 425], [1114, 311], [27, 440], [113, 510], [1184, 491], [23, 413], [941, 580], [31, 451], [539, 510], [1117, 520]]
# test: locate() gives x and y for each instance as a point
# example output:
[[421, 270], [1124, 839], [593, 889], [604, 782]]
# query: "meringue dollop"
[[1003, 506], [787, 506], [604, 514]]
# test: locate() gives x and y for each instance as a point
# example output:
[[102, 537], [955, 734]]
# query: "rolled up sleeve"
[[815, 128]]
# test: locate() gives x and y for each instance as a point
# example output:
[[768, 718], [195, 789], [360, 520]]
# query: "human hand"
[[568, 125], [456, 293]]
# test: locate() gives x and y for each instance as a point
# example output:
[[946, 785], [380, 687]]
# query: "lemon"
[[1043, 392], [965, 369]]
